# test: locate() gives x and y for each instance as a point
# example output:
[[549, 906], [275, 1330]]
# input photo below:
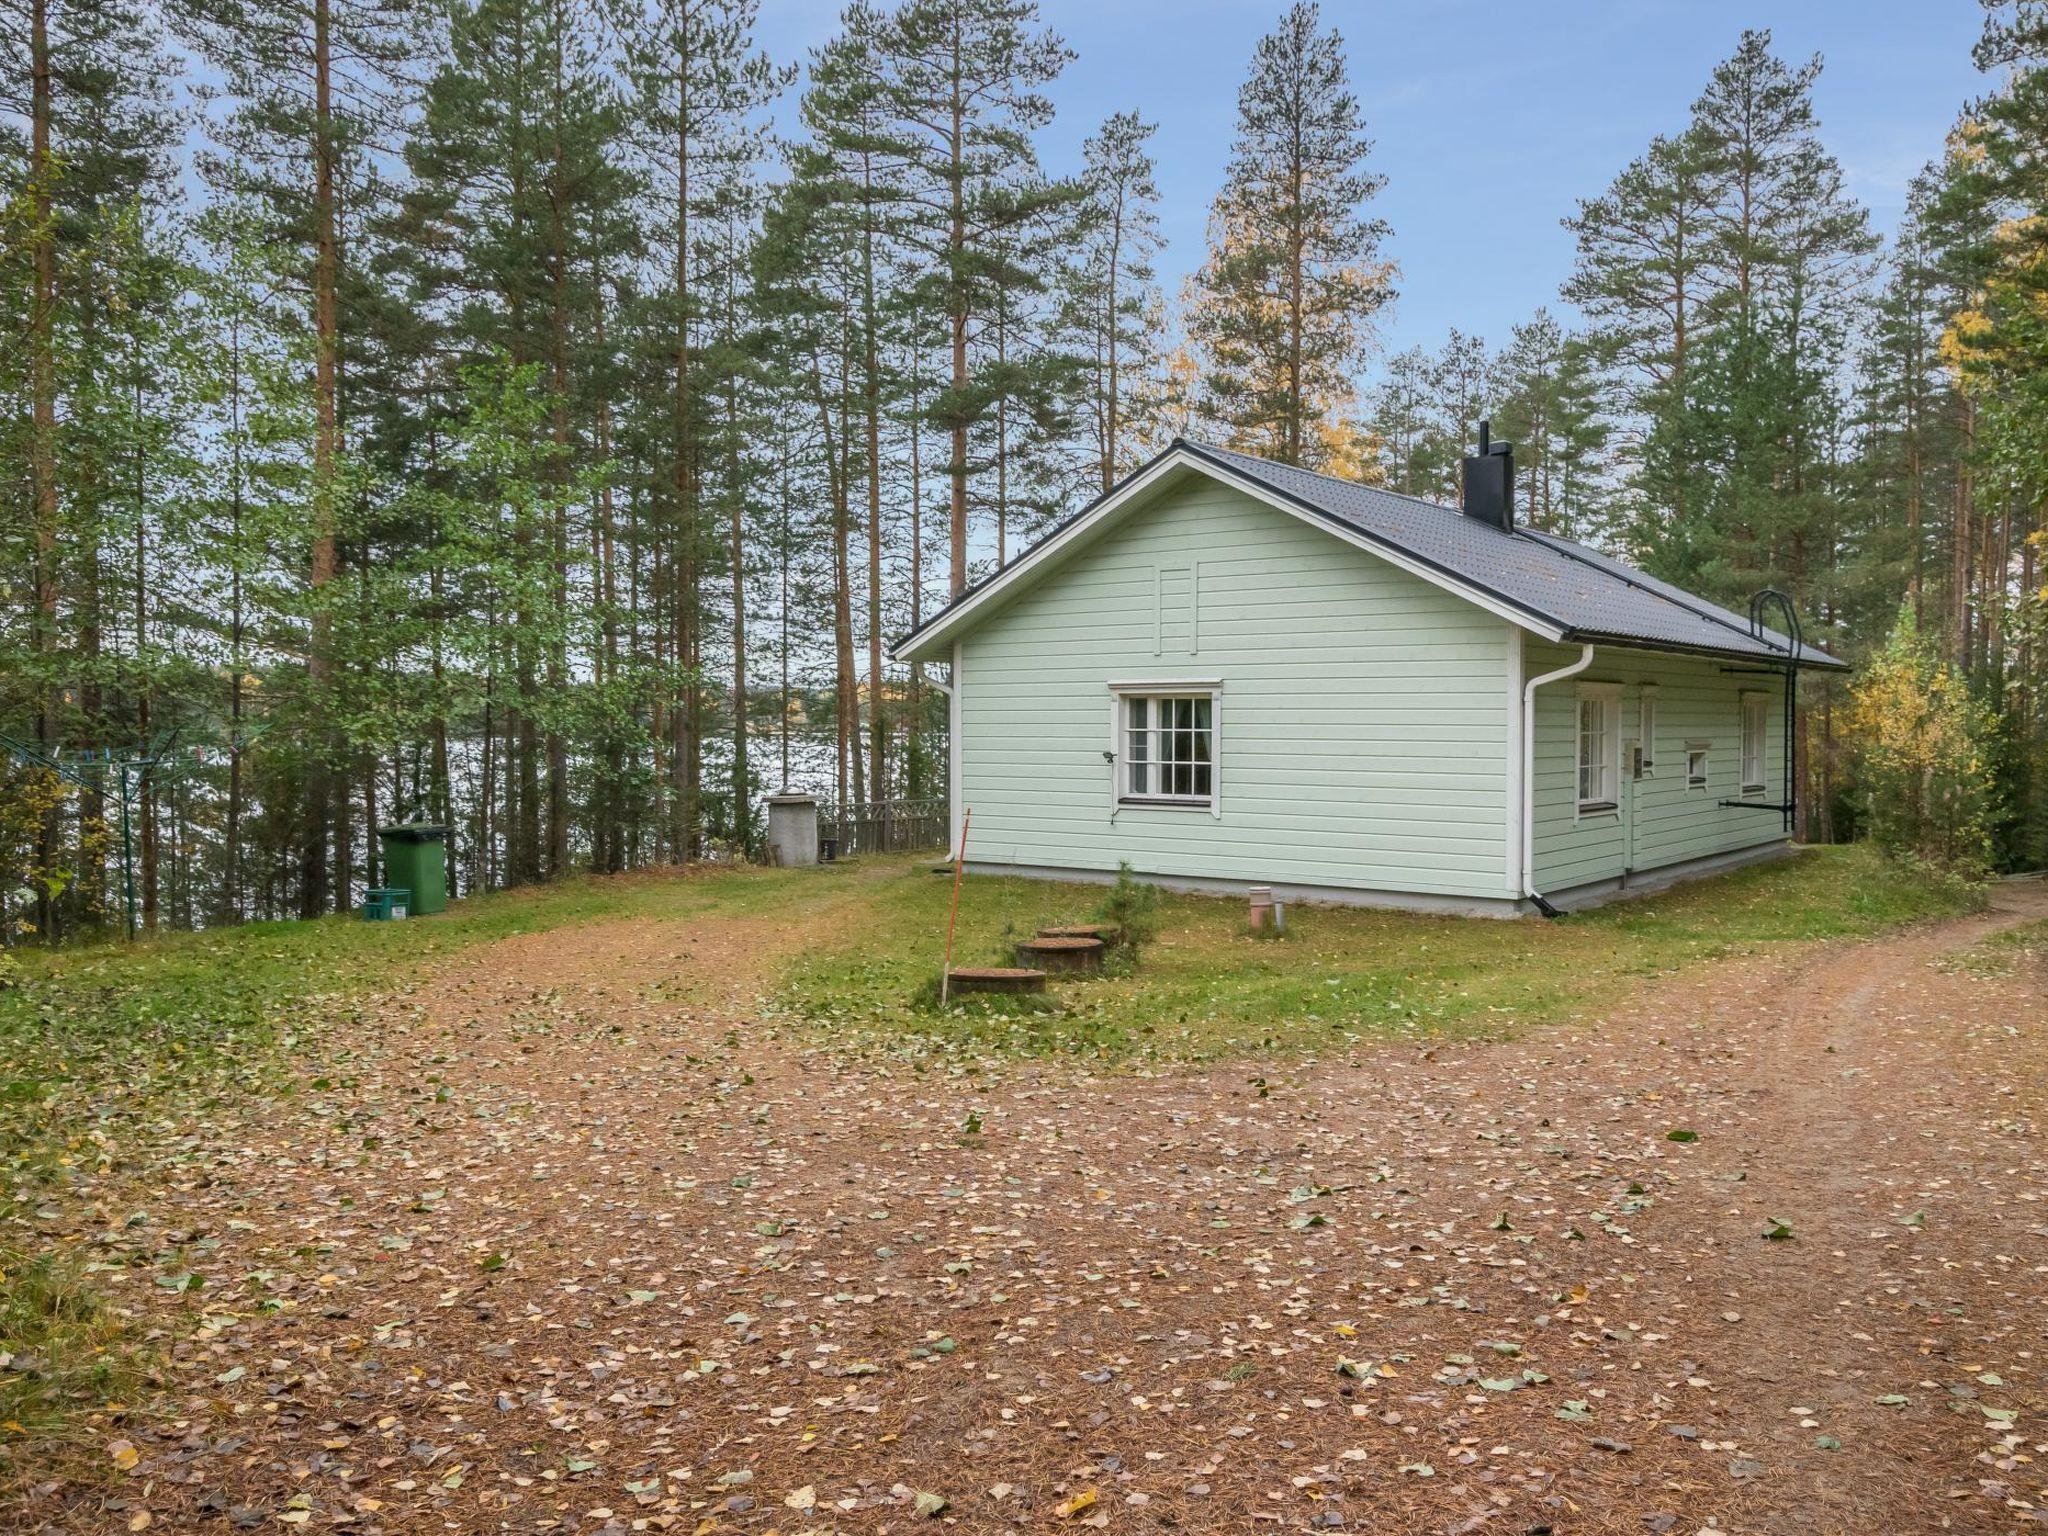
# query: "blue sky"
[[1490, 117]]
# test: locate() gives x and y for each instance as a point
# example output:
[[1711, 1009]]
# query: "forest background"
[[536, 416]]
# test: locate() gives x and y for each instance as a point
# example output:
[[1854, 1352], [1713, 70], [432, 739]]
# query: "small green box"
[[416, 857], [384, 904]]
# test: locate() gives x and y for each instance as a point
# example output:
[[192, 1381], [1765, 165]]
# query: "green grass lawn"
[[99, 1040], [1207, 990]]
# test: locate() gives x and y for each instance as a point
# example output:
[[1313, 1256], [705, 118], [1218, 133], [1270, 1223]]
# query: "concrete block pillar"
[[793, 829]]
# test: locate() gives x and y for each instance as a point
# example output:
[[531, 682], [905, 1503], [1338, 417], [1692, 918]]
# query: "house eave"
[[1811, 661]]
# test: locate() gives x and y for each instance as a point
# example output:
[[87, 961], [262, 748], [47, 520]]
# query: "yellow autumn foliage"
[[1923, 748]]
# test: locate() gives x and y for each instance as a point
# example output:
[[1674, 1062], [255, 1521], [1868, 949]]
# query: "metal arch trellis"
[[125, 770]]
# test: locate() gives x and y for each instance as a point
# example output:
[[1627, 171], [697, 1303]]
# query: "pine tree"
[[1548, 404], [1294, 276], [1107, 291], [90, 81], [1787, 248], [1641, 279], [963, 89], [861, 164], [310, 82], [701, 82]]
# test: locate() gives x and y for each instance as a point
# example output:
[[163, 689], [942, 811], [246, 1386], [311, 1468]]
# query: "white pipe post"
[[1528, 749]]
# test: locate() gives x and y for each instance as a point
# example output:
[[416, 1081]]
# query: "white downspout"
[[1528, 749]]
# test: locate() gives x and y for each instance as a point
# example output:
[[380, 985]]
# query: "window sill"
[[1747, 790], [1599, 808], [1165, 803]]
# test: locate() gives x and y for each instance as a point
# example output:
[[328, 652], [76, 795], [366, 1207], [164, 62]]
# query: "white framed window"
[[1646, 728], [1599, 757], [1754, 734], [1696, 753], [1165, 744]]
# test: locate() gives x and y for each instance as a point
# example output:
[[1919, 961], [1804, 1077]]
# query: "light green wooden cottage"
[[1230, 672]]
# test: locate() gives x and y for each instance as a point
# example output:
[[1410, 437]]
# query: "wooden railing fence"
[[883, 826]]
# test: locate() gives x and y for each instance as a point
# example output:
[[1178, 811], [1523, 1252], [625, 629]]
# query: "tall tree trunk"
[[957, 306], [230, 910], [871, 390], [314, 893], [611, 808], [914, 737], [1116, 250], [558, 367], [1297, 280], [1002, 437], [143, 686], [742, 820], [782, 554], [848, 733], [686, 719], [43, 435], [1964, 524]]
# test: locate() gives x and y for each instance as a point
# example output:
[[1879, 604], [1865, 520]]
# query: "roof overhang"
[[1811, 658], [933, 639]]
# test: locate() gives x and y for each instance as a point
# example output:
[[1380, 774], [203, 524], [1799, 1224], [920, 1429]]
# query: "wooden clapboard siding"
[[1697, 700], [1361, 732]]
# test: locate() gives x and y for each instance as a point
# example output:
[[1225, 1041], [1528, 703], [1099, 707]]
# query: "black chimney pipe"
[[1490, 482]]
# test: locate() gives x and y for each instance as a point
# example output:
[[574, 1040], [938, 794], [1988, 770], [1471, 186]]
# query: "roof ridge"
[[1350, 485]]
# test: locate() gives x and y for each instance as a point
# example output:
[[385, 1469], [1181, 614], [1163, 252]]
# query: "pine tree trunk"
[[684, 721], [558, 367], [1965, 521], [43, 436], [1002, 440], [742, 822], [314, 890], [956, 252], [871, 388], [850, 768], [611, 813], [914, 736], [1112, 404]]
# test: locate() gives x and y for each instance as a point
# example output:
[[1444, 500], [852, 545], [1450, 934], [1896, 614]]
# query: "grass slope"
[[1207, 990]]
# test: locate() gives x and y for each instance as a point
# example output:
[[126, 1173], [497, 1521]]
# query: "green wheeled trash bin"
[[416, 858]]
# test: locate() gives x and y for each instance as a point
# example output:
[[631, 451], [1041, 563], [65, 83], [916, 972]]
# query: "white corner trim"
[[1040, 555], [953, 786]]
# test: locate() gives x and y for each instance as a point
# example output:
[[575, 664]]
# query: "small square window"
[[1696, 765]]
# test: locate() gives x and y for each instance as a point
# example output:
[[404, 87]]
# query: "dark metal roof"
[[1589, 595], [1561, 586]]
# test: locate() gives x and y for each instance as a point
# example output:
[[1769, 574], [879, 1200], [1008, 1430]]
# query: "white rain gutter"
[[1528, 749]]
